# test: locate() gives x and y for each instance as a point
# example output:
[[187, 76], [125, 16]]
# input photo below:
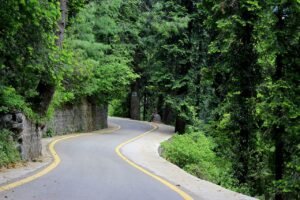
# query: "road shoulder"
[[144, 152]]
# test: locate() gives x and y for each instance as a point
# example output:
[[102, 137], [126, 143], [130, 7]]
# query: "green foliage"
[[226, 69], [50, 132], [232, 65], [100, 62], [10, 100], [115, 108], [194, 152], [74, 7], [8, 151], [28, 53]]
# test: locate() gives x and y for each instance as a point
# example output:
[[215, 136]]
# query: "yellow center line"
[[57, 160], [183, 194], [54, 163]]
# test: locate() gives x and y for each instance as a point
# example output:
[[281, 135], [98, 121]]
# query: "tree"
[[278, 105], [100, 67], [30, 25]]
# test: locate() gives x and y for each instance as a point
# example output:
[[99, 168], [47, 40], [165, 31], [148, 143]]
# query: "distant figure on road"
[[155, 117]]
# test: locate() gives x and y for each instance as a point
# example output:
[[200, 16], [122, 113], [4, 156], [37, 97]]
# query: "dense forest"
[[225, 73]]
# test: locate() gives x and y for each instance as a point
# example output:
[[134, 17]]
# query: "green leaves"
[[10, 100], [194, 153], [8, 153], [227, 68], [100, 66], [220, 61], [28, 52]]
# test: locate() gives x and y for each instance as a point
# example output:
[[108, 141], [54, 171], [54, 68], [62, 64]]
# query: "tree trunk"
[[43, 99], [167, 115], [160, 106], [62, 22], [180, 125], [279, 157], [135, 102], [278, 132], [145, 107], [45, 87], [247, 84]]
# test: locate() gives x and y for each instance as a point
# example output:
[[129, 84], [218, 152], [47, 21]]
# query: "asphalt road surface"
[[90, 169]]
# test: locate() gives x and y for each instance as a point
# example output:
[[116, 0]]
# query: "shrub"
[[117, 109], [8, 152], [194, 153], [49, 133]]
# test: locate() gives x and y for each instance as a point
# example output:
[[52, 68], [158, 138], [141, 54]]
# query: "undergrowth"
[[194, 152], [8, 152]]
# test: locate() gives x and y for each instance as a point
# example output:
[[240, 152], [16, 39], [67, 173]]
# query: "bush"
[[194, 153], [8, 152], [49, 133], [116, 108]]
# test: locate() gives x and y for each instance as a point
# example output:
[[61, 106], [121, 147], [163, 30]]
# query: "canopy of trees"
[[227, 69], [224, 72]]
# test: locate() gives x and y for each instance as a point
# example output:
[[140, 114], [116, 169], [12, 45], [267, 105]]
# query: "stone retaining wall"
[[78, 118], [82, 117]]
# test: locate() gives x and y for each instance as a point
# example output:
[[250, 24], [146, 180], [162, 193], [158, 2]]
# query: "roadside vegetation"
[[194, 153], [8, 153], [54, 53], [225, 73]]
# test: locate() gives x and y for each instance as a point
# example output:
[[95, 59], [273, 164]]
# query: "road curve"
[[90, 169]]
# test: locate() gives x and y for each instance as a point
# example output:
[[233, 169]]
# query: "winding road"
[[90, 169]]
